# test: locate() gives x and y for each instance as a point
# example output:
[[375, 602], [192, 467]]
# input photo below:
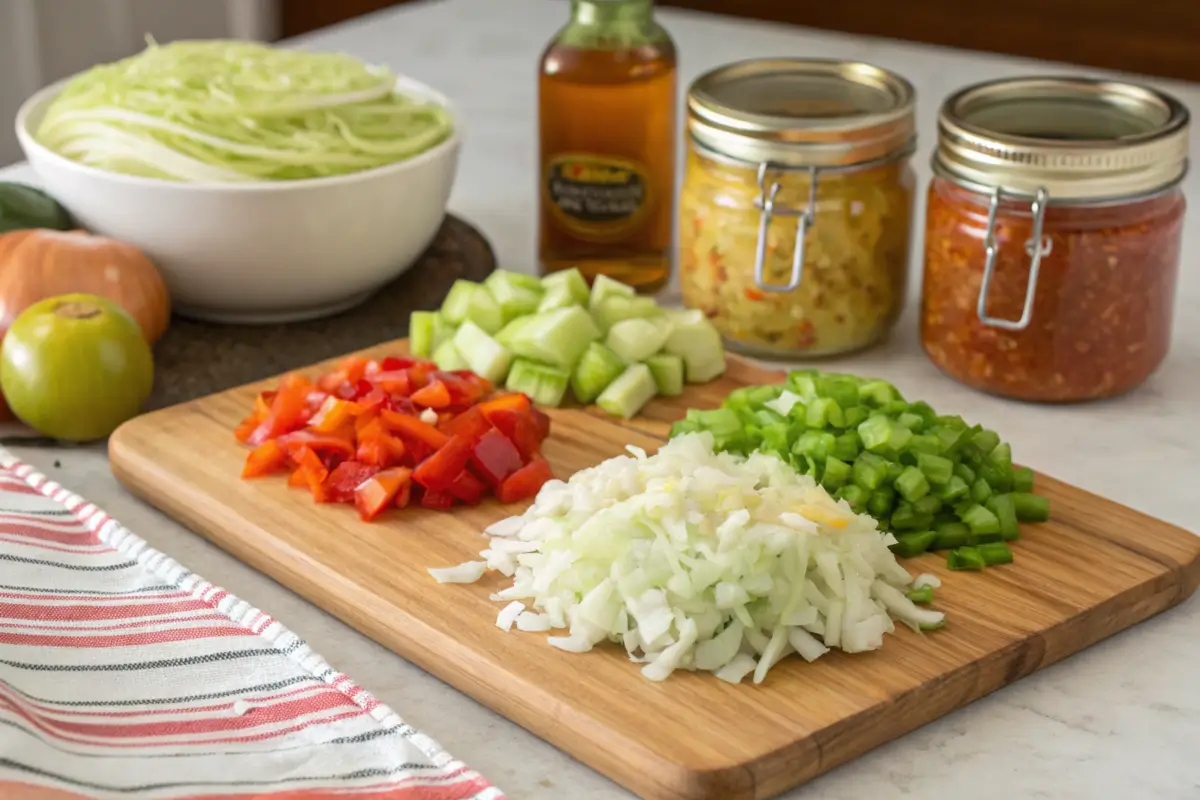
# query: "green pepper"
[[913, 544], [965, 558]]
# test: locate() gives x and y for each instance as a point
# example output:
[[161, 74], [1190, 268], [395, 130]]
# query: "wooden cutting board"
[[1092, 571]]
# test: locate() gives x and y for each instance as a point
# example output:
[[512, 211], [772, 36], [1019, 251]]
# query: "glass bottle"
[[606, 108]]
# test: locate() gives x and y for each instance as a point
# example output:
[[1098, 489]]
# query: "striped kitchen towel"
[[124, 675]]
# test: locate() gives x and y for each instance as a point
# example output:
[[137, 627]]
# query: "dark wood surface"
[[1154, 37], [1094, 569], [198, 358], [301, 16]]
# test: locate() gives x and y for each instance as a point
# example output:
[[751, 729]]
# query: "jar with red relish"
[[1052, 236]]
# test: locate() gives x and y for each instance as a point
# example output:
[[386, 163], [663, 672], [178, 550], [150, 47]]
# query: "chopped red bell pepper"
[[394, 363], [437, 500], [396, 382], [419, 374], [468, 488], [379, 492], [321, 443], [481, 384], [378, 447], [521, 431], [368, 424], [417, 451], [439, 471], [403, 405], [471, 424], [262, 404], [287, 410], [314, 469], [525, 482], [462, 392], [265, 459], [506, 402], [432, 395], [411, 427], [541, 422], [247, 427], [346, 477], [333, 414], [404, 496], [361, 434], [494, 457], [373, 400], [348, 371]]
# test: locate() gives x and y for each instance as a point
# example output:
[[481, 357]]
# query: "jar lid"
[[801, 112], [1076, 138]]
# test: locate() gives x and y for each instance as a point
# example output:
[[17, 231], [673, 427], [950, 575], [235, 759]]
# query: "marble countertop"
[[1120, 720]]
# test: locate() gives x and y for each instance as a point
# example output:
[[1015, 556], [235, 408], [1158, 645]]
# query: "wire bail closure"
[[1036, 246], [807, 218]]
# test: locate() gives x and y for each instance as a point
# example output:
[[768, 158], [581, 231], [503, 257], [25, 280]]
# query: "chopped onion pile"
[[701, 561], [237, 111]]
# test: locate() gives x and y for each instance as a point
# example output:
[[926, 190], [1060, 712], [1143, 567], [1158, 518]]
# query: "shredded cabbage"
[[700, 561], [238, 111]]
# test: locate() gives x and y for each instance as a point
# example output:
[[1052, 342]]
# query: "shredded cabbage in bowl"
[[237, 111]]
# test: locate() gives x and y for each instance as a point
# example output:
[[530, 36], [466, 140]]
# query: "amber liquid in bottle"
[[606, 107]]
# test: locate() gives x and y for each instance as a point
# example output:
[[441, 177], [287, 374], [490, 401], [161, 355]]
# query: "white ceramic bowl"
[[268, 252]]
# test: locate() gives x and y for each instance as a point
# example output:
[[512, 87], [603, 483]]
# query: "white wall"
[[42, 41]]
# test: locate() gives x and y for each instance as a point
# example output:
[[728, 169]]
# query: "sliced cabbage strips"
[[698, 560], [229, 111]]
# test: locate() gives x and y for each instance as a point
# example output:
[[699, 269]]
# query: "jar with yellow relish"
[[1052, 236], [796, 204]]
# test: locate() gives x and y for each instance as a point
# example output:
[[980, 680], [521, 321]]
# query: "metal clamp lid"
[[1037, 247], [807, 216], [1080, 139], [767, 204]]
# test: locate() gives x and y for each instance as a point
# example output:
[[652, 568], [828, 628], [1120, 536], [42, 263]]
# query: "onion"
[[699, 560]]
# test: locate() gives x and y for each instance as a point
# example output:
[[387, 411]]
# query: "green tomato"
[[74, 367]]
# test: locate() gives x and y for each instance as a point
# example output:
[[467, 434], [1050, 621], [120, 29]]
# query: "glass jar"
[[1052, 236], [796, 204]]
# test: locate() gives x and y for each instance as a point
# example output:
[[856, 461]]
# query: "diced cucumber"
[[484, 355], [571, 279], [556, 337], [458, 300], [473, 301], [544, 384], [447, 357], [668, 373], [443, 331], [614, 309], [485, 312], [605, 287], [516, 294], [421, 332], [598, 367], [557, 297], [697, 342], [521, 280], [636, 339], [626, 396], [506, 334]]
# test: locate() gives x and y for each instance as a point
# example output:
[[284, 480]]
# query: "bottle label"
[[597, 198]]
